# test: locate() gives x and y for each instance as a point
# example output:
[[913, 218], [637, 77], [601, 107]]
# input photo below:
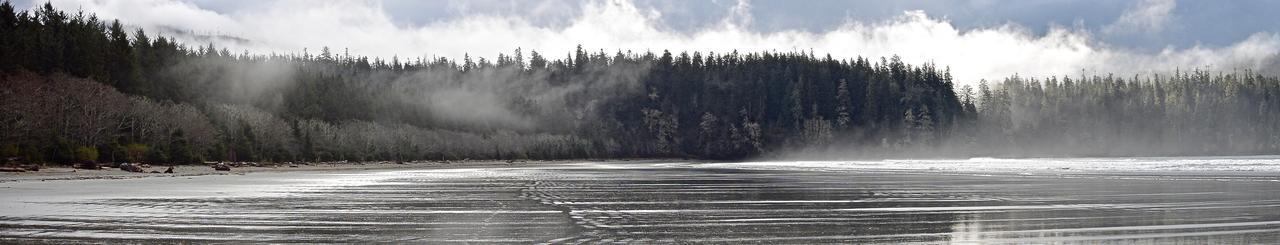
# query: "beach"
[[68, 173], [656, 201]]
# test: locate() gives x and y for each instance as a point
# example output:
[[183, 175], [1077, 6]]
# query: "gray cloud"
[[977, 52]]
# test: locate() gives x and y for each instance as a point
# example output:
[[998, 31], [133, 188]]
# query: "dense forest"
[[1180, 114], [76, 88]]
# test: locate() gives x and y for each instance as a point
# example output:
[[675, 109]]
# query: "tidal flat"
[[655, 202]]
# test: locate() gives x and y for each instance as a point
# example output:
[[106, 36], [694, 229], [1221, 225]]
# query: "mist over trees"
[[76, 88], [1185, 113]]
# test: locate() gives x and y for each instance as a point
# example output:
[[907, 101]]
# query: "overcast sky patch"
[[983, 39]]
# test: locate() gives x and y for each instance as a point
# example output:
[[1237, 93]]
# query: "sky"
[[977, 39]]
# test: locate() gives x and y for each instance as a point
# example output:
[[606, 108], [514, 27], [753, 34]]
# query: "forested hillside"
[[76, 88], [1184, 113], [336, 106]]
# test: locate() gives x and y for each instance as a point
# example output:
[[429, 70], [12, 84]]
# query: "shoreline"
[[63, 173]]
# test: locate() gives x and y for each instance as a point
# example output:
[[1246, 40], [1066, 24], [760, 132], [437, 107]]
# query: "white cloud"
[[1149, 16], [154, 13], [982, 53]]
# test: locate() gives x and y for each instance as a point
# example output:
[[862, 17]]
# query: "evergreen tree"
[[586, 104]]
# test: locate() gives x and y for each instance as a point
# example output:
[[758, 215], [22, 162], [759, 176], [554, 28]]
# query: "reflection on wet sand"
[[673, 203]]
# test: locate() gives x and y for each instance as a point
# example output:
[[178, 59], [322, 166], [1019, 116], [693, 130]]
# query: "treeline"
[[79, 89], [1185, 113], [733, 106], [165, 102]]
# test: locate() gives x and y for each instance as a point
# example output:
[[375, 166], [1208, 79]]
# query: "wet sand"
[[649, 202], [67, 173]]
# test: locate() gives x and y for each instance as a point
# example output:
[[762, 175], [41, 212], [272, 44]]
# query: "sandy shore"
[[658, 201], [67, 173]]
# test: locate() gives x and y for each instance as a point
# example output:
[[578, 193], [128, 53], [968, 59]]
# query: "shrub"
[[182, 154], [158, 155], [136, 152], [86, 154], [62, 151], [116, 152], [31, 154], [9, 150]]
